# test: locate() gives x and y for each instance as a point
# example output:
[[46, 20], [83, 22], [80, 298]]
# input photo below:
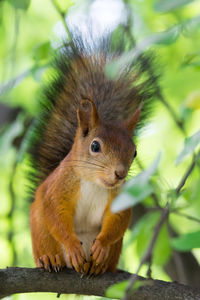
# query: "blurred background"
[[30, 32]]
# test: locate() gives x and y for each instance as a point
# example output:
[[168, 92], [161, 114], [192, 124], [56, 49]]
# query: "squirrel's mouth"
[[111, 184]]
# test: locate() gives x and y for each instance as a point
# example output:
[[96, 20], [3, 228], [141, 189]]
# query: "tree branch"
[[25, 280], [147, 255], [186, 175]]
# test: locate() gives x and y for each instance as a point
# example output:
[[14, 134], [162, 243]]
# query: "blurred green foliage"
[[29, 35]]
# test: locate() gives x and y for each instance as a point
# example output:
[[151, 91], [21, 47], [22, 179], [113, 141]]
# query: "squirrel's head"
[[103, 152]]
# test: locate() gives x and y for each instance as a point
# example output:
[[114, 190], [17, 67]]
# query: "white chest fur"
[[89, 213]]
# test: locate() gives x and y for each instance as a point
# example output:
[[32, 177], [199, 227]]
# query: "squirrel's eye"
[[135, 154], [95, 146]]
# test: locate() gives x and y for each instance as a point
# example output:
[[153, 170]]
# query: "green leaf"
[[141, 224], [21, 4], [136, 189], [135, 231], [189, 146], [193, 100], [167, 37], [65, 5], [38, 72], [170, 5], [146, 232], [191, 59], [114, 68], [187, 241], [42, 51], [162, 248], [116, 291], [191, 26]]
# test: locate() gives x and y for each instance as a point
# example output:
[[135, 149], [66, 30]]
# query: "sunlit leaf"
[[167, 37], [169, 5], [189, 146], [162, 248], [146, 232], [65, 5], [136, 189], [193, 100], [187, 241], [128, 199], [38, 73], [135, 231], [113, 69], [117, 290], [21, 4], [191, 26], [191, 60], [42, 51]]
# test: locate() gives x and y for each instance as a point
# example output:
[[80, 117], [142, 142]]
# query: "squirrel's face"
[[102, 152]]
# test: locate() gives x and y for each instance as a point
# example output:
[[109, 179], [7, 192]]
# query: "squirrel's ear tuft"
[[131, 123], [87, 116]]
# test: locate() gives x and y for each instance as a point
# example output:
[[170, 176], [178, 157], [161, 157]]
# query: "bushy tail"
[[80, 73]]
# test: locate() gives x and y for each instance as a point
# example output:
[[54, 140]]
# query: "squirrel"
[[81, 150]]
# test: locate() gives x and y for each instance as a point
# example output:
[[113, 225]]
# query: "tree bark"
[[25, 280]]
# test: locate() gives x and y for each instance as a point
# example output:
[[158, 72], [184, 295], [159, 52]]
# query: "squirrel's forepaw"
[[99, 252], [91, 268], [75, 256], [50, 262], [97, 269]]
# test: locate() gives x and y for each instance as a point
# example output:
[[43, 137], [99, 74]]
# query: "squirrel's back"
[[80, 74]]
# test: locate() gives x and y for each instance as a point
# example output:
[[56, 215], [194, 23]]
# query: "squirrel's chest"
[[90, 207]]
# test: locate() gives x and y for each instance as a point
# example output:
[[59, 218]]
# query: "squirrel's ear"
[[131, 123], [87, 116]]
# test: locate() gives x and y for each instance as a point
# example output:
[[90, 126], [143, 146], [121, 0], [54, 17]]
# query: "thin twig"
[[178, 122], [186, 175], [148, 253], [186, 216], [62, 15]]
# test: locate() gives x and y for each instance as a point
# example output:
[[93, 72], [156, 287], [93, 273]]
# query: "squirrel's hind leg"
[[48, 253], [114, 255]]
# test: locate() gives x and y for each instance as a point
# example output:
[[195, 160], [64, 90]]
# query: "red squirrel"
[[81, 151]]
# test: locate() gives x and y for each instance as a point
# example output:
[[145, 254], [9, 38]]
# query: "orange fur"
[[55, 242]]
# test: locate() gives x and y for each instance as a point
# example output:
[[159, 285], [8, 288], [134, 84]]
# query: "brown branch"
[[187, 174], [182, 266], [148, 253], [24, 280]]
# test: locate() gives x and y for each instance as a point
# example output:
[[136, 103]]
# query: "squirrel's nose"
[[120, 172]]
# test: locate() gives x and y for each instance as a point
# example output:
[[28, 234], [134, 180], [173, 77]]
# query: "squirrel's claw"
[[75, 256], [50, 263], [99, 252], [97, 269]]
